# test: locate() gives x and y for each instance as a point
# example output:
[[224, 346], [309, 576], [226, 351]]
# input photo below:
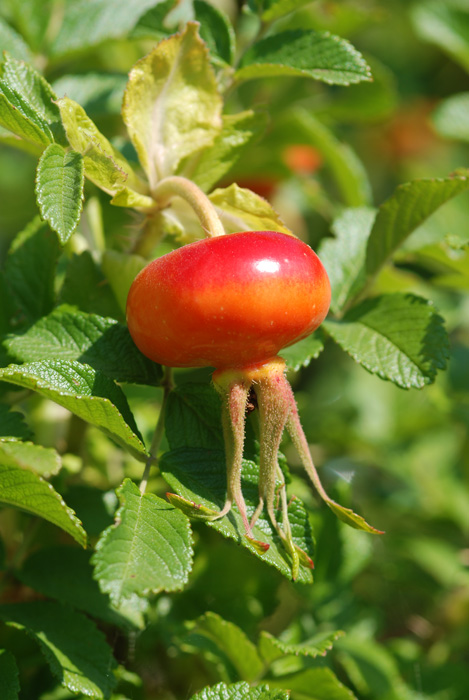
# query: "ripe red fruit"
[[229, 301]]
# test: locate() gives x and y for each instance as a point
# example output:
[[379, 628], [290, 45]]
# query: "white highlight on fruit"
[[267, 265]]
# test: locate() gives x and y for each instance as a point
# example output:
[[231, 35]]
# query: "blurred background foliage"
[[403, 456]]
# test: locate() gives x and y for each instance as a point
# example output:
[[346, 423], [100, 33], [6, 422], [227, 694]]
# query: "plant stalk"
[[167, 384]]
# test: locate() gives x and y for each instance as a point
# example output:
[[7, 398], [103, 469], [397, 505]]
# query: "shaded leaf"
[[300, 354], [76, 651], [21, 488], [241, 210], [193, 417], [89, 394], [240, 691], [306, 53], [98, 93], [271, 648], [12, 424], [450, 118], [399, 337], [147, 550], [26, 455], [121, 269], [9, 684], [273, 9], [216, 30], [445, 24], [171, 106], [86, 287], [313, 684], [102, 343], [59, 189]]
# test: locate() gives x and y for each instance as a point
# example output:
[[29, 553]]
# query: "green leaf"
[[217, 638], [450, 117], [87, 23], [18, 117], [86, 287], [300, 354], [344, 256], [404, 211], [129, 198], [13, 42], [59, 189], [241, 210], [240, 691], [121, 269], [400, 337], [89, 394], [9, 684], [99, 94], [199, 476], [102, 343], [26, 455], [30, 271], [65, 574], [171, 106], [273, 9], [310, 54], [371, 668], [216, 30], [12, 425], [445, 24], [21, 488], [154, 24], [271, 648], [313, 684], [76, 651], [347, 516], [239, 131], [193, 417], [147, 550], [104, 164]]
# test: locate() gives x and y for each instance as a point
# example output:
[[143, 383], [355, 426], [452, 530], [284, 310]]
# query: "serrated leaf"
[[216, 637], [65, 574], [32, 284], [76, 651], [238, 132], [86, 287], [313, 684], [59, 189], [306, 53], [99, 94], [241, 210], [12, 424], [446, 25], [450, 118], [171, 106], [147, 550], [300, 354], [104, 164], [21, 488], [16, 116], [193, 417], [87, 23], [121, 269], [102, 343], [409, 206], [199, 475], [9, 684], [13, 42], [26, 455], [344, 256], [216, 30], [271, 648], [89, 394], [400, 337], [240, 691]]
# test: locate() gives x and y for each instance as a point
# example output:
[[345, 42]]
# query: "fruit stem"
[[167, 384], [176, 186]]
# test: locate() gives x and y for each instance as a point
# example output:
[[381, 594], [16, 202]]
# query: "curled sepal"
[[350, 518], [260, 547], [193, 510]]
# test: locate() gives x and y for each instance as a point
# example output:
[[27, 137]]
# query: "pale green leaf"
[[76, 651], [215, 637], [451, 117], [13, 42], [87, 23], [9, 684], [99, 94], [16, 116], [89, 394], [306, 53], [399, 337], [271, 648], [238, 132], [121, 269], [445, 24], [12, 425], [59, 189], [240, 691], [199, 476], [26, 455], [241, 210], [405, 210], [102, 343], [21, 488], [104, 164], [313, 684], [129, 198], [147, 550], [273, 9], [300, 354], [172, 107], [344, 256]]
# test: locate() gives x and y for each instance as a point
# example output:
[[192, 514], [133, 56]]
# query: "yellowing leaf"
[[242, 210], [172, 107]]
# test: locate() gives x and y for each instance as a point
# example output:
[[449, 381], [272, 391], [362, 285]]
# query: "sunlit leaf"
[[272, 648], [240, 691], [242, 210]]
